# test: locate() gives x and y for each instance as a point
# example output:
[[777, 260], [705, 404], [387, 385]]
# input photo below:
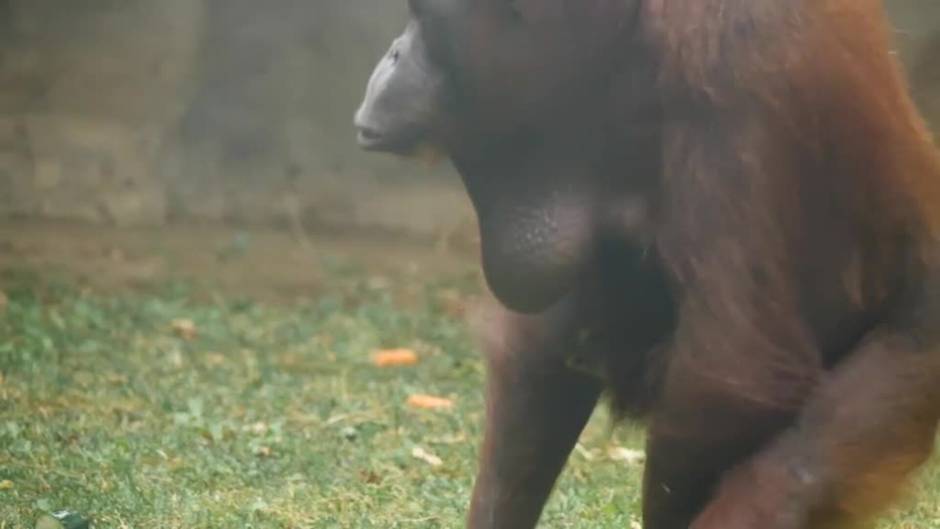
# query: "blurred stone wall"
[[88, 91], [269, 133], [141, 112]]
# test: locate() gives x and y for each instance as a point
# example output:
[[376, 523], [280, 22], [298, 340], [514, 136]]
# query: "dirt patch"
[[261, 263]]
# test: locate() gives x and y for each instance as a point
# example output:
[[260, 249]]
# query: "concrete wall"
[[135, 112], [269, 132], [88, 91]]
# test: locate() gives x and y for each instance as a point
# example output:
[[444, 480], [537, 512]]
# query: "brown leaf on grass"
[[290, 360], [428, 402], [215, 359], [258, 428], [394, 358], [184, 328], [369, 477], [263, 451], [429, 458], [588, 455], [118, 379], [619, 453], [4, 302]]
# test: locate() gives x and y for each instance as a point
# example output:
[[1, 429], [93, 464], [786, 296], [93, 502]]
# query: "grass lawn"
[[272, 415]]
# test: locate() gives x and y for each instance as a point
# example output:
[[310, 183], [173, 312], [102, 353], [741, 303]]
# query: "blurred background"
[[148, 112], [141, 139], [152, 113], [199, 269]]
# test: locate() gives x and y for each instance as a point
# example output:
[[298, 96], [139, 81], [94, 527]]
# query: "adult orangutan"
[[723, 213]]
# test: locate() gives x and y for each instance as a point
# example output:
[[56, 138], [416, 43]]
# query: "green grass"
[[272, 417]]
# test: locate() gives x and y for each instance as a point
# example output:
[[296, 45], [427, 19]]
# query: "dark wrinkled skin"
[[552, 113], [534, 186]]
